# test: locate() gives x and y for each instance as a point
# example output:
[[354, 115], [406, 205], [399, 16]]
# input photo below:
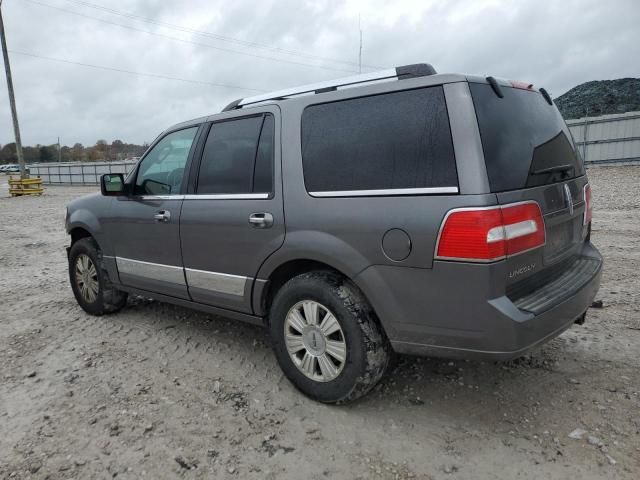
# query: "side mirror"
[[112, 184]]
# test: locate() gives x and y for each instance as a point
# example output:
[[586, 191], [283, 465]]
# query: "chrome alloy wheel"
[[87, 278], [315, 341]]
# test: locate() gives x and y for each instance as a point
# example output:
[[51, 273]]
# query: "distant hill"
[[601, 97]]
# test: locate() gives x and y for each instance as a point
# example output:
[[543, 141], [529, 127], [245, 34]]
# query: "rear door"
[[530, 155], [233, 218]]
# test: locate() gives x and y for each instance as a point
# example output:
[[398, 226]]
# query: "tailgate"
[[562, 206], [530, 155]]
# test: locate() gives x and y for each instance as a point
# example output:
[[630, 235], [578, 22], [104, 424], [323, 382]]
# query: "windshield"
[[525, 140]]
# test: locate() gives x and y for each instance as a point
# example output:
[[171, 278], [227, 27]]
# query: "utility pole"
[[59, 151], [12, 100]]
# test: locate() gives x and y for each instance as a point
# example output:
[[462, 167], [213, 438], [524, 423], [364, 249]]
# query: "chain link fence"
[[78, 173]]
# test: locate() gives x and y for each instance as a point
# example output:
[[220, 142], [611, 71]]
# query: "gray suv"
[[399, 211]]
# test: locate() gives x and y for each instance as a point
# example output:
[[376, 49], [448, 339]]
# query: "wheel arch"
[[83, 223], [303, 251], [289, 269], [79, 232]]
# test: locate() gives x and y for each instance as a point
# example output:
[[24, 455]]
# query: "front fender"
[[86, 213]]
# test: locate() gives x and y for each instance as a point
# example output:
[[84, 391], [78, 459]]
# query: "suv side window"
[[161, 170], [391, 141], [238, 157]]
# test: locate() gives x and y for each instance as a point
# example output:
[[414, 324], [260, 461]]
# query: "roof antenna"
[[360, 51]]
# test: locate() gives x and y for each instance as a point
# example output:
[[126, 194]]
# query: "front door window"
[[162, 169]]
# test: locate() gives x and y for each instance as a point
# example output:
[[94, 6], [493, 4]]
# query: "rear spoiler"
[[495, 86]]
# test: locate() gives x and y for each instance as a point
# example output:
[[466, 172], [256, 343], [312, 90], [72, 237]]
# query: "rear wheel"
[[90, 283], [326, 337]]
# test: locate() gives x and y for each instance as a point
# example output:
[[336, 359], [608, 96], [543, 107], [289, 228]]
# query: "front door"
[[233, 219], [145, 228]]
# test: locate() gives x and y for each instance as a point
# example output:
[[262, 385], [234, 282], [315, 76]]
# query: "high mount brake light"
[[522, 85], [588, 205], [487, 234]]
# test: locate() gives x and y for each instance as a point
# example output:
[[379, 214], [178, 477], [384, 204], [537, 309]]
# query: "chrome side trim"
[[216, 282], [228, 196], [567, 194], [220, 196], [155, 271], [158, 197], [386, 192]]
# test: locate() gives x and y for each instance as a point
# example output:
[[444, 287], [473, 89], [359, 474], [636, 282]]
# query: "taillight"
[[588, 205], [486, 234]]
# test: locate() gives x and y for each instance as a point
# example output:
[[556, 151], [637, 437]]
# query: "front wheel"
[[90, 283], [326, 337]]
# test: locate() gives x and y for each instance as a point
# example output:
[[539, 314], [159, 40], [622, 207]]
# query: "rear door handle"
[[162, 216], [261, 220]]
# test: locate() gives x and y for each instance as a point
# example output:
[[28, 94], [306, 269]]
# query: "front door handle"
[[261, 220], [162, 216]]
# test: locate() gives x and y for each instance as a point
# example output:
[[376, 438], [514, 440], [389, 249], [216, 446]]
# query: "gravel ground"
[[158, 391]]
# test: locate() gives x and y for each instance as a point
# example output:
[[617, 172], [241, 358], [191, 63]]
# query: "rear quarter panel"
[[346, 233]]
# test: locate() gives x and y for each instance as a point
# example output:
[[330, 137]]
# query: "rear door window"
[[238, 157], [263, 168], [525, 140], [398, 140]]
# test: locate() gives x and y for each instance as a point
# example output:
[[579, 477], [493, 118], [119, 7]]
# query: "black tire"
[[107, 299], [367, 349]]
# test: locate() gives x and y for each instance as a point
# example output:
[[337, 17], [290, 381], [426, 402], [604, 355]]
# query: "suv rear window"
[[525, 140], [392, 141]]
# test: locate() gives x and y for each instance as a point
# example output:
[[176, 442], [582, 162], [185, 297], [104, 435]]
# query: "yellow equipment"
[[25, 186]]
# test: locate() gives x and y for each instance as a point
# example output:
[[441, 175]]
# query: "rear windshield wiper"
[[557, 168]]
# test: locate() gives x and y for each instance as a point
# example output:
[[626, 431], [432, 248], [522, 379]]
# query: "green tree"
[[102, 147], [77, 152], [8, 153], [93, 154], [66, 153], [47, 154], [31, 154]]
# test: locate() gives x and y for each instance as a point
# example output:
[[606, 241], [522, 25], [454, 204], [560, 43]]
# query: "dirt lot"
[[158, 391]]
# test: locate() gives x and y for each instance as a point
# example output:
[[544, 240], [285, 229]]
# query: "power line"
[[132, 72], [182, 40], [216, 36]]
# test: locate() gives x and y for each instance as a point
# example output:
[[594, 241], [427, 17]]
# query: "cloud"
[[553, 44]]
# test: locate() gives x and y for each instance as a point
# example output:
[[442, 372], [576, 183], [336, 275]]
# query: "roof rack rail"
[[399, 73]]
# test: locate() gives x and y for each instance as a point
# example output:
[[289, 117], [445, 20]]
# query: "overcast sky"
[[556, 44]]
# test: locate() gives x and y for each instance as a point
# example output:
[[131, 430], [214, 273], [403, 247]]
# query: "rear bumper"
[[459, 310]]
